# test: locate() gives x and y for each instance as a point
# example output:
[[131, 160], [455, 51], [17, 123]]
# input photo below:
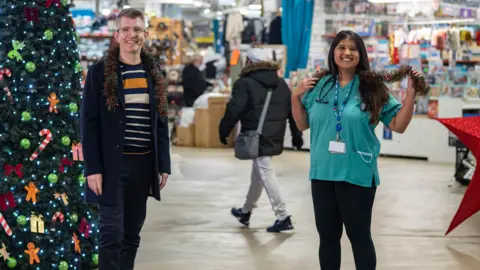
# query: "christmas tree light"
[[45, 223]]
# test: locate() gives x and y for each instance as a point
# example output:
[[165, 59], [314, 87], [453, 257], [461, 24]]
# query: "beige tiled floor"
[[193, 230]]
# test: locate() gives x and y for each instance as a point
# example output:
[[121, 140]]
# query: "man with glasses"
[[125, 140]]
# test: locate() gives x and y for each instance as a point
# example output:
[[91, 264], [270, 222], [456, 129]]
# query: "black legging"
[[338, 203]]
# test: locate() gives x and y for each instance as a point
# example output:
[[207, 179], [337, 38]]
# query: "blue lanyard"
[[338, 113]]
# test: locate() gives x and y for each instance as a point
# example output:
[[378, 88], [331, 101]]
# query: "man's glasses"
[[128, 30]]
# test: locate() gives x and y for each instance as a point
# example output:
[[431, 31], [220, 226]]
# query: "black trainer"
[[243, 218], [281, 225]]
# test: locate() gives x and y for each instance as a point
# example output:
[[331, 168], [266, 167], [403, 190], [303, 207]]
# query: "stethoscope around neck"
[[322, 98]]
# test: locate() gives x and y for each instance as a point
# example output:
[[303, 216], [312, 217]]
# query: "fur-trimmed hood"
[[153, 70], [252, 67], [266, 73]]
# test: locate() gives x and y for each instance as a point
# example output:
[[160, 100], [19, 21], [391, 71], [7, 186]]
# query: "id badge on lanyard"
[[337, 146]]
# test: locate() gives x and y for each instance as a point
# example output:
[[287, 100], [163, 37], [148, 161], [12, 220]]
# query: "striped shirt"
[[138, 136]]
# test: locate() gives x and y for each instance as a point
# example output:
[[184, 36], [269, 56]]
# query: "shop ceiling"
[[215, 5]]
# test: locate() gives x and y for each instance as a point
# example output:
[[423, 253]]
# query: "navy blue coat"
[[103, 134]]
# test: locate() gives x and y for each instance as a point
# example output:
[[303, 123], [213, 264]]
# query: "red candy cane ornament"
[[5, 226], [8, 94], [43, 132], [6, 72]]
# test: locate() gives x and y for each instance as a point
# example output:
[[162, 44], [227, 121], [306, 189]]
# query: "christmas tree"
[[45, 223]]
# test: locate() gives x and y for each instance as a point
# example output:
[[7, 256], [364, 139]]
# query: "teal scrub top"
[[358, 165]]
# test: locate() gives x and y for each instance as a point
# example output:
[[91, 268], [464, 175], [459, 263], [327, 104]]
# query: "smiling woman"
[[347, 57], [342, 106]]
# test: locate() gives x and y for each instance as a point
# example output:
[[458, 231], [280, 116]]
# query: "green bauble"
[[26, 116], [52, 178], [30, 66], [66, 141], [95, 259], [64, 2], [25, 143], [73, 107], [81, 179], [21, 220], [74, 218], [48, 34], [11, 262], [78, 67], [77, 37], [63, 265]]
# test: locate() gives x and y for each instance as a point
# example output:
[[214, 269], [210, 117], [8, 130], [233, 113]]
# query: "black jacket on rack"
[[246, 104], [194, 84], [211, 70], [275, 33]]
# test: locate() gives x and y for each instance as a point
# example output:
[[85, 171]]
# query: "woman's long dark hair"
[[373, 95]]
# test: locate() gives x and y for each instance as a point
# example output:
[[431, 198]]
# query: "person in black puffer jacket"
[[248, 97]]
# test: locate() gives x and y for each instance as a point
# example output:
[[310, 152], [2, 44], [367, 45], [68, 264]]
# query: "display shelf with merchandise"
[[166, 40]]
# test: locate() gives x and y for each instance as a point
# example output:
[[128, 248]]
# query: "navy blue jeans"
[[341, 203], [121, 223]]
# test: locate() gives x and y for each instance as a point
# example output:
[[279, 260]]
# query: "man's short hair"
[[131, 13]]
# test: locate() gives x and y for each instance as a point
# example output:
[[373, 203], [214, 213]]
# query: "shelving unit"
[[172, 33], [93, 47]]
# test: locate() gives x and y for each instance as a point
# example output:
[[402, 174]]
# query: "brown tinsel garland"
[[153, 69], [419, 84]]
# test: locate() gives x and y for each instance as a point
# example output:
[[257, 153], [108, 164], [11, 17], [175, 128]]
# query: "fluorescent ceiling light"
[[255, 6], [106, 12], [397, 1]]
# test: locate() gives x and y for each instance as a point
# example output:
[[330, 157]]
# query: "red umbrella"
[[467, 129]]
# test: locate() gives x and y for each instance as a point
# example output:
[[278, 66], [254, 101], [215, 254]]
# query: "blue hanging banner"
[[297, 18], [82, 12]]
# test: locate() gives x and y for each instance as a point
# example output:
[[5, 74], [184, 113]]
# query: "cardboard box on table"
[[207, 121], [185, 136]]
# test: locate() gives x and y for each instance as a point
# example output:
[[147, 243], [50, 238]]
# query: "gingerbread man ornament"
[[3, 253], [76, 241], [32, 192], [32, 252], [53, 102]]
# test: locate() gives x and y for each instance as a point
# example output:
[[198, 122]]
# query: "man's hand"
[[163, 179], [95, 183]]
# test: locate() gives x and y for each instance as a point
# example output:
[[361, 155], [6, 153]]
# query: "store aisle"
[[192, 227]]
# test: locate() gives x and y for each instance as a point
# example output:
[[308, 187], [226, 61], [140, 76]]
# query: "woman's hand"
[[305, 85], [410, 89]]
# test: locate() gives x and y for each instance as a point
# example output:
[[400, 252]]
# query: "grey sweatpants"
[[263, 177]]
